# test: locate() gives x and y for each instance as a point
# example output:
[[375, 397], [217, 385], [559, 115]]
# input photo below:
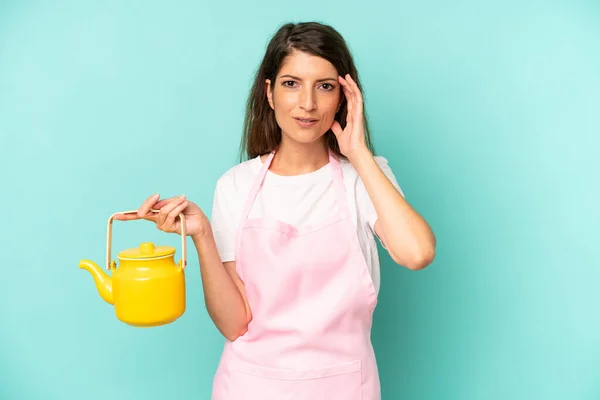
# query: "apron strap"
[[247, 207], [256, 186], [338, 185]]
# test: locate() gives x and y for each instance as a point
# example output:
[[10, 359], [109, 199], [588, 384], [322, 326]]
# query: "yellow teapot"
[[148, 288]]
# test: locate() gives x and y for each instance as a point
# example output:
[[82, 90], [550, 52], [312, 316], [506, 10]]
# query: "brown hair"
[[261, 134]]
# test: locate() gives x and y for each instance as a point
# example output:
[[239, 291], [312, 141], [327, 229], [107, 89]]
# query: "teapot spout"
[[102, 280]]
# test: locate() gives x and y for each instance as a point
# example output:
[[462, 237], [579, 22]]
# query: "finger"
[[352, 88], [165, 210], [126, 217], [345, 87], [147, 205], [160, 204], [336, 128], [355, 90], [357, 107], [154, 216], [348, 92], [342, 81], [350, 107], [348, 96], [171, 220], [134, 216]]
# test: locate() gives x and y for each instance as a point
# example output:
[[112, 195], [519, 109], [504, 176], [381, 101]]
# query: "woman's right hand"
[[167, 219]]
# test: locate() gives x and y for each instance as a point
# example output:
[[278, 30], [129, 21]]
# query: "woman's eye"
[[289, 83], [328, 87]]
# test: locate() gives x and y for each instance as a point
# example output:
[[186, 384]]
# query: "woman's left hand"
[[352, 138]]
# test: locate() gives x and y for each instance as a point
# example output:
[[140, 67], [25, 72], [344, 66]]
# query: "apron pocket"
[[335, 382]]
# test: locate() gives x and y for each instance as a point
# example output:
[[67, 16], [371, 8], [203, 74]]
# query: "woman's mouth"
[[306, 122]]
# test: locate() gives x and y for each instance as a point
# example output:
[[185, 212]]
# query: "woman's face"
[[305, 97]]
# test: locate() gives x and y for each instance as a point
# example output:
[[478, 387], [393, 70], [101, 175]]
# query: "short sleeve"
[[223, 223], [370, 215]]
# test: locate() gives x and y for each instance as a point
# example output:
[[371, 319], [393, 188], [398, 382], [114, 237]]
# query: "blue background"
[[488, 113]]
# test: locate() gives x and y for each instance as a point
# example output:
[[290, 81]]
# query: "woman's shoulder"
[[352, 179], [351, 173], [233, 185], [240, 174]]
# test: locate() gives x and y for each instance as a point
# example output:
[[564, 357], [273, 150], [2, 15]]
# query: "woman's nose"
[[307, 100]]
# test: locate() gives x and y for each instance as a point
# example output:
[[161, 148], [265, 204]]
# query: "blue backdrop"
[[487, 112]]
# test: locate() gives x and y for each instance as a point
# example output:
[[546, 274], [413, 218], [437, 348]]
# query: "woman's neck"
[[299, 158]]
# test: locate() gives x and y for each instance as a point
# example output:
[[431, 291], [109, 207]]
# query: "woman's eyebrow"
[[298, 79]]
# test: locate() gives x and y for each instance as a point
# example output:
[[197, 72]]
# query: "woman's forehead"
[[307, 66]]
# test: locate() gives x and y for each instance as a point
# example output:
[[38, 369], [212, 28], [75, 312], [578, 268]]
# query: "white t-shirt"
[[297, 200]]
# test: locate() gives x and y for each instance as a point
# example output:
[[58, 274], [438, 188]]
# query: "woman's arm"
[[223, 289], [404, 233]]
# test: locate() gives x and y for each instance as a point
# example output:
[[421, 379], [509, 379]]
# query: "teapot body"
[[148, 287], [149, 292]]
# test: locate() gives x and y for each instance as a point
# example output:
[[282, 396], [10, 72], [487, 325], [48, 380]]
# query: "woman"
[[289, 262]]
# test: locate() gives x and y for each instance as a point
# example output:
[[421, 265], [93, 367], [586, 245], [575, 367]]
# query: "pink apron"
[[312, 302]]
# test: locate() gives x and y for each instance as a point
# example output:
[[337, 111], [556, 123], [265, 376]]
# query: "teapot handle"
[[110, 264]]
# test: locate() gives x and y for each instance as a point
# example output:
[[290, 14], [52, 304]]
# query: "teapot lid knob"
[[146, 248], [145, 251]]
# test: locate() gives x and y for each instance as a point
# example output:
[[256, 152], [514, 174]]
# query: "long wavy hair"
[[261, 133]]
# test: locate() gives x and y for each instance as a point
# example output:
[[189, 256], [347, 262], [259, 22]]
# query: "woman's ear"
[[269, 93]]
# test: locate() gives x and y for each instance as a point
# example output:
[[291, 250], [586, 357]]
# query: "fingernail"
[[155, 196], [182, 196]]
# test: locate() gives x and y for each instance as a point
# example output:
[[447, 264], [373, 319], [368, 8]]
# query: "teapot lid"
[[146, 250]]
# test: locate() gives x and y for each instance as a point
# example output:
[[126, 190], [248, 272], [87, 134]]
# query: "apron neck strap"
[[338, 185], [256, 186]]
